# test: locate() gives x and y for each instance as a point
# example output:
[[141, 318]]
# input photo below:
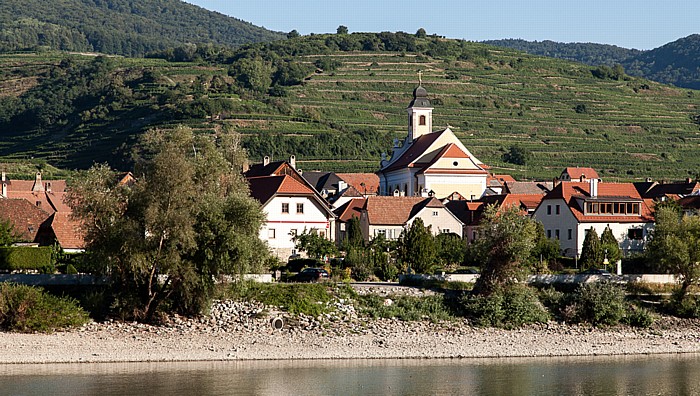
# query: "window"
[[322, 234], [635, 234], [570, 234], [549, 234], [445, 230], [271, 233], [556, 234], [549, 209], [285, 207], [558, 209], [421, 120], [300, 208], [380, 232], [435, 212]]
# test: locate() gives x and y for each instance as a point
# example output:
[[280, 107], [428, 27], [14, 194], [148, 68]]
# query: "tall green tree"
[[591, 253], [187, 219], [610, 246], [416, 247], [342, 30], [450, 249], [355, 237], [314, 244], [505, 239], [675, 245], [8, 235]]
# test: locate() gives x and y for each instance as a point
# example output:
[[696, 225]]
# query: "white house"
[[572, 208], [430, 163]]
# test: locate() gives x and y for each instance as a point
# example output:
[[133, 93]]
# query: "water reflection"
[[640, 375]]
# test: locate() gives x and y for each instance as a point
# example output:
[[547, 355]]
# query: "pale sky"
[[641, 24]]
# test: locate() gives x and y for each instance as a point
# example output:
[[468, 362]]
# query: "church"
[[430, 163]]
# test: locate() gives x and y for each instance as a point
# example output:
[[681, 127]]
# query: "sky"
[[640, 24]]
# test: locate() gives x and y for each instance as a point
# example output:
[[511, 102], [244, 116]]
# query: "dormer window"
[[613, 208]]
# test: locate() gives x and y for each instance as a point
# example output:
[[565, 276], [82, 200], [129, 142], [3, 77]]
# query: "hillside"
[[589, 53], [674, 63], [337, 102], [124, 27]]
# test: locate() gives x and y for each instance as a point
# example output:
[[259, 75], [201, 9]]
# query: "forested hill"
[[589, 53], [676, 63], [337, 101], [124, 27]]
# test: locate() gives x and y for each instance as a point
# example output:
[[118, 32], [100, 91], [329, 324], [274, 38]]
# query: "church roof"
[[420, 98], [418, 148]]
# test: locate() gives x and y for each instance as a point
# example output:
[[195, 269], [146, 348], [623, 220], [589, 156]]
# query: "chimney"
[[341, 186], [48, 186], [594, 187], [689, 180], [38, 185], [4, 179], [293, 161], [266, 160]]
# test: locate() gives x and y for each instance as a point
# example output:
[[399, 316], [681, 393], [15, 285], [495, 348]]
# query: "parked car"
[[310, 275], [596, 271]]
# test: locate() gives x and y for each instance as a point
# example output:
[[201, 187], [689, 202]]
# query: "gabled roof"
[[265, 187], [350, 209], [468, 212], [321, 180], [25, 217], [690, 202], [370, 180], [271, 169], [349, 192], [575, 174], [387, 210], [673, 190], [451, 151], [414, 152], [529, 188], [39, 199], [573, 192], [67, 231]]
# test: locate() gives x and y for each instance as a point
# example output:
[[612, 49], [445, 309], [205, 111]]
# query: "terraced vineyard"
[[343, 119]]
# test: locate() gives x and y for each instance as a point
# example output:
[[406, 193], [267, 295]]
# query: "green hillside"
[[337, 102], [125, 27]]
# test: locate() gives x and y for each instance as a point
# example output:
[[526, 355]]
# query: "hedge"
[[17, 258]]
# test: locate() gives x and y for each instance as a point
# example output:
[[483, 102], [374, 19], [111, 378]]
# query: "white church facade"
[[430, 163]]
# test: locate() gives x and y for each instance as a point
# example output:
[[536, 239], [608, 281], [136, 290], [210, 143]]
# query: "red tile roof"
[[576, 173], [690, 202], [350, 209], [265, 187], [67, 231], [414, 152], [396, 210], [370, 180], [449, 151], [25, 217], [607, 192]]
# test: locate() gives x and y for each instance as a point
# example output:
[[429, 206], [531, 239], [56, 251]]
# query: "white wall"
[[283, 223]]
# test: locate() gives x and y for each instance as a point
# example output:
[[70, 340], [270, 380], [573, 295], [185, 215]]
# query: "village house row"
[[430, 175]]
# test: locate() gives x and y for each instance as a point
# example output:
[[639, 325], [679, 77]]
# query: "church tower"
[[420, 114]]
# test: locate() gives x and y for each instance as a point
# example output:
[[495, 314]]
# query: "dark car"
[[596, 271], [310, 275]]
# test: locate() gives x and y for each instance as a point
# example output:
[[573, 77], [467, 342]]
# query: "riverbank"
[[243, 331]]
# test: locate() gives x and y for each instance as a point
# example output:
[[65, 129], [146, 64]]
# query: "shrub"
[[27, 258], [684, 305], [507, 307], [28, 309], [639, 317], [406, 308], [600, 304]]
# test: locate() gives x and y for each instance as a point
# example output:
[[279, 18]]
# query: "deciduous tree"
[[416, 247]]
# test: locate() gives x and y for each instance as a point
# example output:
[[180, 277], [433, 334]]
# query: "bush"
[[296, 265], [684, 305], [19, 258], [639, 317], [507, 307], [28, 309], [406, 308], [600, 304]]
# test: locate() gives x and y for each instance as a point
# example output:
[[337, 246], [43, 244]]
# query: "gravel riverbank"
[[241, 331]]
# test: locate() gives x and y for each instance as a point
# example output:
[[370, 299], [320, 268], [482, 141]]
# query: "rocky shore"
[[244, 331]]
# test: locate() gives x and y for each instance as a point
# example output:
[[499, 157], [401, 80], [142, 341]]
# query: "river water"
[[638, 375]]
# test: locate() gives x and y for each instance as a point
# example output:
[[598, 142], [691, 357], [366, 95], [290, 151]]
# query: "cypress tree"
[[591, 253]]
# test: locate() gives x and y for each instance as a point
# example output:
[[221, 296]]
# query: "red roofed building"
[[572, 208], [291, 206], [39, 213], [389, 216], [430, 163], [578, 174]]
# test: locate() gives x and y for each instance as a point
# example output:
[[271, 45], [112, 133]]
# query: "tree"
[[416, 247], [293, 34], [517, 155], [342, 30], [314, 244], [610, 246], [187, 219], [450, 249], [355, 237], [505, 242], [675, 245], [545, 251], [420, 33], [8, 235], [591, 253]]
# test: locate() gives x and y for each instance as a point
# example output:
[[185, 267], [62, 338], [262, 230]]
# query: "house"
[[389, 216], [291, 206], [430, 163], [661, 191], [344, 213], [339, 188], [572, 208], [38, 211]]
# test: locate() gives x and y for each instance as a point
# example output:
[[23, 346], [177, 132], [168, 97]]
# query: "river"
[[625, 375]]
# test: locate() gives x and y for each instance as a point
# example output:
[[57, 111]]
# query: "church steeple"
[[420, 112]]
